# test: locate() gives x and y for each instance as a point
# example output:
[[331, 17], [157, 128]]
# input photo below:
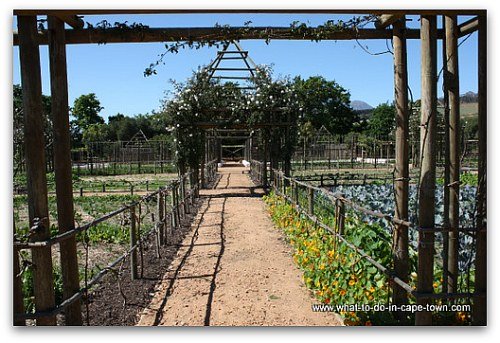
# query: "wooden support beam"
[[62, 166], [72, 20], [469, 26], [400, 235], [87, 11], [427, 184], [38, 210], [446, 194], [152, 35], [385, 20], [453, 188], [479, 309]]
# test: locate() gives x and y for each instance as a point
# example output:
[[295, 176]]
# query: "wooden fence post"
[[174, 208], [161, 217], [426, 191], [296, 193], [133, 242], [310, 198], [340, 215], [29, 54]]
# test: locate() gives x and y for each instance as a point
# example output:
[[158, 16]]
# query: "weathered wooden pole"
[[29, 54], [446, 193], [479, 309], [63, 169], [451, 79], [426, 205], [400, 234], [161, 217], [133, 243]]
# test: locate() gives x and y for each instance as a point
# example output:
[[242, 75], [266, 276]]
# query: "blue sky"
[[114, 72]]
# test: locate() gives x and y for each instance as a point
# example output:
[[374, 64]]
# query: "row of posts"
[[171, 216]]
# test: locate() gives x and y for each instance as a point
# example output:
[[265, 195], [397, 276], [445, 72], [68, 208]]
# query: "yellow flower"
[[372, 289], [321, 266], [331, 253], [342, 292], [435, 285], [351, 282]]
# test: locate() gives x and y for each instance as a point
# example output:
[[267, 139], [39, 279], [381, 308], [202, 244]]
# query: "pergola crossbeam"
[[72, 20], [174, 34]]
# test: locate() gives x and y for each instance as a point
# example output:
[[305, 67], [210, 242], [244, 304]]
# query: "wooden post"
[[479, 309], [446, 193], [340, 215], [43, 282], [62, 166], [133, 242], [161, 218], [310, 203], [427, 187], [174, 209], [451, 79], [400, 234], [296, 185]]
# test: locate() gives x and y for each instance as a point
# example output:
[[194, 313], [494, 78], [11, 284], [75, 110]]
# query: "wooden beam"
[[246, 10], [400, 234], [469, 26], [479, 309], [427, 182], [154, 35], [62, 166], [452, 86], [386, 19], [34, 143], [72, 20]]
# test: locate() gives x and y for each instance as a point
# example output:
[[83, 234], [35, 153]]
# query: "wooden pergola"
[[28, 38]]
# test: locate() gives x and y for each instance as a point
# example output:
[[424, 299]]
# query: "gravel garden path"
[[234, 268]]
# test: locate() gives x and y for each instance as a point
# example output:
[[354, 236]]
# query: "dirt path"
[[234, 268]]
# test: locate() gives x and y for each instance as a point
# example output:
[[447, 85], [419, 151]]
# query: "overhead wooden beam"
[[427, 182], [152, 35], [400, 234], [72, 20], [386, 19], [38, 209], [469, 26], [243, 10]]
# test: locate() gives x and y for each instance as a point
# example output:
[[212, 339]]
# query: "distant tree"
[[382, 122], [325, 103], [95, 133], [85, 112]]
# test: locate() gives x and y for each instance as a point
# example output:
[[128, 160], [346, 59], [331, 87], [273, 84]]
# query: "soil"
[[108, 307], [234, 268]]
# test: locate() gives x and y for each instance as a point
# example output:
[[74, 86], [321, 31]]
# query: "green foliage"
[[85, 111], [339, 276], [324, 103], [382, 123], [28, 290]]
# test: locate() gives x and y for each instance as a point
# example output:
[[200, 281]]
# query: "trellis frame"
[[29, 40]]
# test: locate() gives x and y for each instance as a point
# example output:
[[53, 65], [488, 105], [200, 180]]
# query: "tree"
[[382, 122], [325, 103], [85, 111]]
